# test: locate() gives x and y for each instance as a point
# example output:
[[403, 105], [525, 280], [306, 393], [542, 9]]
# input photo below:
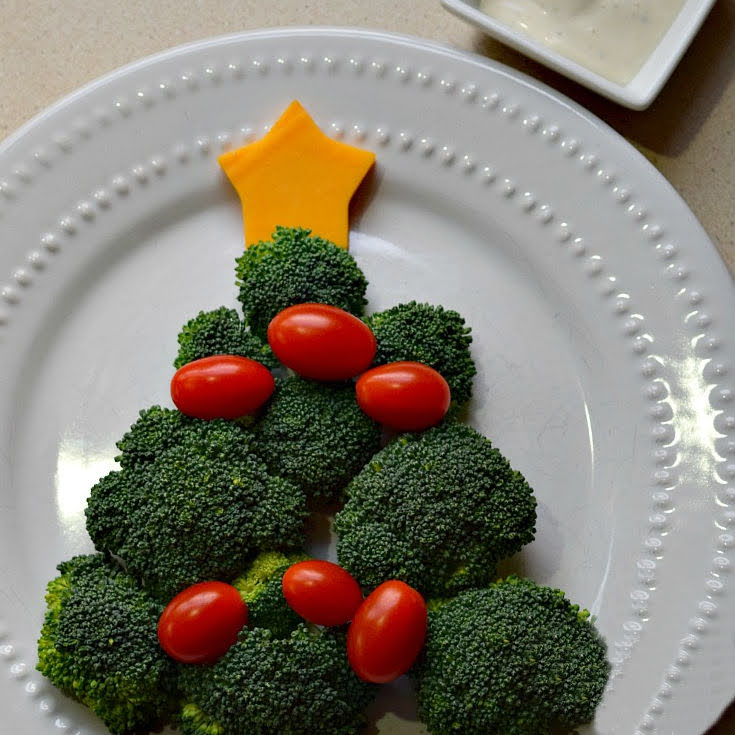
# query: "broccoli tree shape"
[[437, 510], [191, 502], [198, 500], [515, 658], [99, 645], [294, 268]]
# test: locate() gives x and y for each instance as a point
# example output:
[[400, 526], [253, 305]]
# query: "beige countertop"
[[50, 50]]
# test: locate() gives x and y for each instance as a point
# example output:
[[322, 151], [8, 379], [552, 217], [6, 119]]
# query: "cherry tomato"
[[408, 396], [221, 387], [201, 623], [321, 592], [321, 342], [387, 632]]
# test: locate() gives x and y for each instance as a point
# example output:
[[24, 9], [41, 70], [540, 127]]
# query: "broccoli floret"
[[515, 658], [99, 645], [156, 430], [192, 721], [301, 685], [433, 335], [191, 502], [437, 509], [221, 332], [260, 587], [316, 435], [294, 268]]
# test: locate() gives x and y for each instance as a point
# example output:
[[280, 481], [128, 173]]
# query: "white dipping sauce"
[[610, 37]]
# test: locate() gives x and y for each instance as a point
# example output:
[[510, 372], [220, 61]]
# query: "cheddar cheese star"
[[296, 176]]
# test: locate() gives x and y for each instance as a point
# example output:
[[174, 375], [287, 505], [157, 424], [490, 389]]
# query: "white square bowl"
[[636, 94]]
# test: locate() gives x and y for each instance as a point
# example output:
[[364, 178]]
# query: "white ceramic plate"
[[640, 91], [602, 315]]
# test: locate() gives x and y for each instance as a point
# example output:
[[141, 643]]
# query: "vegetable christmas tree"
[[201, 606]]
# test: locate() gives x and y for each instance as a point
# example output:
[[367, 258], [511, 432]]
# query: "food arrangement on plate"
[[201, 606]]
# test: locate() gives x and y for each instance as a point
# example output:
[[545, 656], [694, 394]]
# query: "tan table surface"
[[48, 50]]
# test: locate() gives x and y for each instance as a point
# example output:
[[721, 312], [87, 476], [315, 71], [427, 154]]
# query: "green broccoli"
[[99, 645], [221, 332], [191, 502], [433, 335], [157, 430], [437, 509], [515, 658], [264, 685], [315, 435], [294, 268], [260, 587]]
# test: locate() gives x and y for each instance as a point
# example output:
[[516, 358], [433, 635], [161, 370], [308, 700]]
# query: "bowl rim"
[[637, 94]]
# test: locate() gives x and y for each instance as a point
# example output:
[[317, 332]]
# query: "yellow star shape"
[[296, 176]]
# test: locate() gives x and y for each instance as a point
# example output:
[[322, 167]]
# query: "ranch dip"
[[610, 37]]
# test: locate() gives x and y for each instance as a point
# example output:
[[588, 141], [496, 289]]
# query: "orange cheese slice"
[[296, 176]]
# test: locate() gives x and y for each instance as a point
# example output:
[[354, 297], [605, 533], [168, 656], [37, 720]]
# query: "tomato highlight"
[[321, 592], [321, 342], [202, 622], [221, 387], [387, 632], [406, 396]]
